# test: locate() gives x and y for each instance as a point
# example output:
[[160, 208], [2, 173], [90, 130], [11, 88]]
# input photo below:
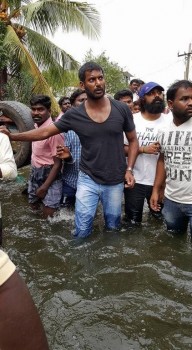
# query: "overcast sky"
[[143, 37]]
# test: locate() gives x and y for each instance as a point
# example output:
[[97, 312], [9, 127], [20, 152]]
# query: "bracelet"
[[130, 169]]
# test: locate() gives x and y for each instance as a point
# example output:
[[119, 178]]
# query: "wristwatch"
[[130, 169]]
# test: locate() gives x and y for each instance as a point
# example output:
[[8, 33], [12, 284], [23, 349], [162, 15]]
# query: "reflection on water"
[[114, 291]]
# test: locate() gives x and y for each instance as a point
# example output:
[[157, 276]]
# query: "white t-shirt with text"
[[147, 133], [176, 144]]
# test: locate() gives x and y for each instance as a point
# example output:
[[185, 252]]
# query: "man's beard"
[[94, 96], [154, 107], [182, 115]]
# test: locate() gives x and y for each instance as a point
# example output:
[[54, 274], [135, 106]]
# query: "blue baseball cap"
[[146, 88]]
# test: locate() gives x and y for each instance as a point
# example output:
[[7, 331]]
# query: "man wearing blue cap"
[[147, 123]]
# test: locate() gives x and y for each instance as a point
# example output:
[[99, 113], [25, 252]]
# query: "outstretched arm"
[[32, 135]]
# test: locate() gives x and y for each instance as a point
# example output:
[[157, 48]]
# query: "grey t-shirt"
[[102, 155]]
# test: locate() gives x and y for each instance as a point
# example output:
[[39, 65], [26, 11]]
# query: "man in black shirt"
[[99, 122]]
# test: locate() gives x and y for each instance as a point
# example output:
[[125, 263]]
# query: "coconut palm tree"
[[28, 25]]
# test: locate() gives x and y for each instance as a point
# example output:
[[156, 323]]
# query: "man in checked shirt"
[[71, 165]]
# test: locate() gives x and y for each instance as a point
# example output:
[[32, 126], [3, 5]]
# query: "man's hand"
[[129, 179], [4, 130], [155, 201], [153, 148], [41, 192], [63, 152]]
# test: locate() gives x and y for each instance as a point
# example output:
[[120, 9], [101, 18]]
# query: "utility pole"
[[187, 59]]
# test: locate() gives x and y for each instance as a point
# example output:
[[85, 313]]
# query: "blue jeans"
[[88, 195], [177, 215]]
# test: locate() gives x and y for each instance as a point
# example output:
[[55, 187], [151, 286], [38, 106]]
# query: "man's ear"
[[82, 85], [170, 104]]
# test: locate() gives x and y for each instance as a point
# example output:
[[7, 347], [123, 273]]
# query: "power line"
[[164, 68]]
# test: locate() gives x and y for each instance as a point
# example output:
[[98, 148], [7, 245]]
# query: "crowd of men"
[[98, 149]]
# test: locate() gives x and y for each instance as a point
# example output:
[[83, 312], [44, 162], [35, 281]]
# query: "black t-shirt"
[[102, 155]]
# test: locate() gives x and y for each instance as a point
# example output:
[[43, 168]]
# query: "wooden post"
[[188, 63], [187, 58]]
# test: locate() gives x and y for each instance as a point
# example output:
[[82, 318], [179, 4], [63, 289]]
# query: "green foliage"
[[3, 52], [114, 75], [63, 86], [19, 88], [28, 25]]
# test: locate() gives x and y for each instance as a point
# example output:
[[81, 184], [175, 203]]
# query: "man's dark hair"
[[142, 103], [88, 67], [41, 99], [62, 99], [171, 92], [122, 93], [134, 81], [137, 103], [75, 94]]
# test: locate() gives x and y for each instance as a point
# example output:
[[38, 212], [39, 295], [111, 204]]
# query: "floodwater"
[[113, 291]]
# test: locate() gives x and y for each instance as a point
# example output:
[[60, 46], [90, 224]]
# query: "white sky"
[[142, 36]]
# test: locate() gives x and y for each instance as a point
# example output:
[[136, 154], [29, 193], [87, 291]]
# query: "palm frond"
[[12, 4], [16, 48], [15, 5], [46, 53], [45, 16]]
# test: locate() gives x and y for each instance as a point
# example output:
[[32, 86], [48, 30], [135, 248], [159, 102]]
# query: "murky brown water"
[[114, 291]]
